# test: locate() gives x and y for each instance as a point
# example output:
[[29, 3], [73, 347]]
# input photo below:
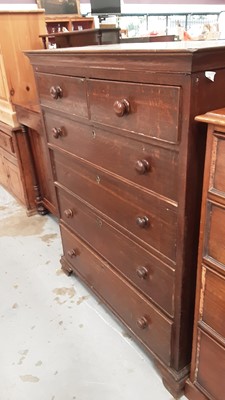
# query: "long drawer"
[[210, 371], [217, 176], [146, 272], [147, 217], [143, 319], [214, 248], [6, 142], [213, 298], [64, 93], [149, 166], [151, 110]]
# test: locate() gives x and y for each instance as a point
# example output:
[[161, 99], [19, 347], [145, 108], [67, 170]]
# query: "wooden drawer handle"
[[68, 213], [142, 166], [56, 92], [142, 222], [121, 107], [72, 253], [142, 323], [142, 272], [57, 132]]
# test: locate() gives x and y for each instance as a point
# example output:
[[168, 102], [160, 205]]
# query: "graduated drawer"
[[217, 175], [151, 110], [143, 319], [214, 248], [210, 371], [146, 165], [143, 270], [6, 142], [147, 217], [212, 309], [64, 93]]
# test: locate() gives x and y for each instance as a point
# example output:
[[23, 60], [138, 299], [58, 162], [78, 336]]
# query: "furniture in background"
[[19, 31], [208, 358], [56, 23], [145, 39], [10, 165], [127, 160], [83, 38]]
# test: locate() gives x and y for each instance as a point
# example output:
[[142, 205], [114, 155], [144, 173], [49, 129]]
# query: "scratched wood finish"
[[143, 319], [91, 143], [208, 358], [133, 100], [143, 270]]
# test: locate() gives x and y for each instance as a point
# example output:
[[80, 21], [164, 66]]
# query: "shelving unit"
[[72, 22]]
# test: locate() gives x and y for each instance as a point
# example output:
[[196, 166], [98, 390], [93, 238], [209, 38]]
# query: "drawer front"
[[145, 216], [213, 301], [214, 246], [217, 176], [211, 367], [144, 320], [150, 110], [6, 142], [67, 94], [143, 270], [149, 166]]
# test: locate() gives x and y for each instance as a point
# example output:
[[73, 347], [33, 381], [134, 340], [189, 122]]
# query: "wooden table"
[[84, 37]]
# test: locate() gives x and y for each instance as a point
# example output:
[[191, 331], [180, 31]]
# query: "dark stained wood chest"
[[127, 160], [208, 358]]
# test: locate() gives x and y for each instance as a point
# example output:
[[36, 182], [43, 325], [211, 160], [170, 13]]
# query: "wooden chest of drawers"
[[127, 160], [208, 359]]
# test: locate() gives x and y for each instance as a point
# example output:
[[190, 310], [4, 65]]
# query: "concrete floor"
[[57, 342]]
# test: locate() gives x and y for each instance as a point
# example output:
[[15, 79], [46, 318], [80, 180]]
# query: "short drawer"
[[151, 110], [217, 176], [64, 93], [145, 271], [212, 310], [151, 167], [210, 371], [6, 142], [214, 247], [147, 217], [144, 320]]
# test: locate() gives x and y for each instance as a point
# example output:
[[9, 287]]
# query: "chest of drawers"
[[208, 360], [127, 160]]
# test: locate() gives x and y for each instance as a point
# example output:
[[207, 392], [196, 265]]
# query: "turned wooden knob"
[[68, 213], [142, 166], [142, 222], [142, 322], [142, 272], [57, 132], [56, 92], [121, 107], [71, 253]]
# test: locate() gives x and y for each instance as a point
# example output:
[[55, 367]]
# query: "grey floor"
[[57, 341]]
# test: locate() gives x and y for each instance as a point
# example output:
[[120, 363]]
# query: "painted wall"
[[163, 6], [17, 5]]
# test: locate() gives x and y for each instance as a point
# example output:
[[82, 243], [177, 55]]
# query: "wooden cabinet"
[[208, 359], [74, 24], [127, 160], [19, 31], [9, 167], [56, 23]]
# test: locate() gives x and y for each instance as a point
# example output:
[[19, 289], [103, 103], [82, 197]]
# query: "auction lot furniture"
[[208, 359], [127, 159]]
